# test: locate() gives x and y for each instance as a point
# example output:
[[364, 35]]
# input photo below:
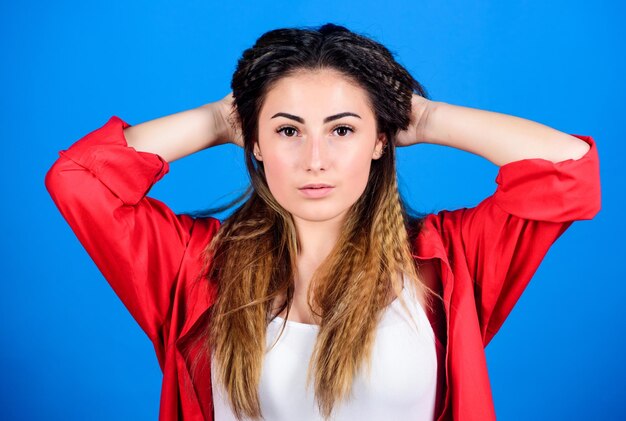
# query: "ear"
[[381, 142], [257, 152]]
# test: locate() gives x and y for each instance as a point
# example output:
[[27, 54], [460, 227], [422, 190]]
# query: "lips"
[[316, 186], [316, 191]]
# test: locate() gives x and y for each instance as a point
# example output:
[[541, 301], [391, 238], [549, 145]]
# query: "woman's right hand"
[[225, 116]]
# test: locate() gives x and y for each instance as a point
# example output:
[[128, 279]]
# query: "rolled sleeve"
[[99, 184], [128, 173], [507, 235], [543, 190]]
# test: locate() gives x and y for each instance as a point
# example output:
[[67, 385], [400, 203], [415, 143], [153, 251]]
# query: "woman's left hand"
[[420, 110]]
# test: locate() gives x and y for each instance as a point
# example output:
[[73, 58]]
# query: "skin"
[[316, 152]]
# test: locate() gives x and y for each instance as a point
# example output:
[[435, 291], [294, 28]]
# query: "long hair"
[[252, 257]]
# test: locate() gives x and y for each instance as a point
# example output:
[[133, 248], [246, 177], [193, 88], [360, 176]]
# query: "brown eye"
[[348, 128], [344, 129], [285, 129]]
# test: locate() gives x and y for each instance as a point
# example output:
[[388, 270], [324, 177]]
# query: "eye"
[[344, 128], [285, 128], [290, 128]]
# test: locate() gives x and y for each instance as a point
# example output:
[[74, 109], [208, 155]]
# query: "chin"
[[315, 214]]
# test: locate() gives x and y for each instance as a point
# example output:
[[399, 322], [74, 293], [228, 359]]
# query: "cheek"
[[355, 170], [280, 176]]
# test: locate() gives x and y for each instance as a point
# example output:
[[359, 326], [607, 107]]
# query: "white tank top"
[[403, 379]]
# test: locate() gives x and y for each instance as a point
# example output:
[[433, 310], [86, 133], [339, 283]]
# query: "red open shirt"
[[485, 257]]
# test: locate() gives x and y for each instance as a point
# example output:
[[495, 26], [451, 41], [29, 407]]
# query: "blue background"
[[69, 349]]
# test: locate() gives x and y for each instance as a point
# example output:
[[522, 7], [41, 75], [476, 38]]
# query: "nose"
[[316, 153]]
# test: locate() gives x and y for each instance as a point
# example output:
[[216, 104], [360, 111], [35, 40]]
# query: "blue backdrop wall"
[[69, 349]]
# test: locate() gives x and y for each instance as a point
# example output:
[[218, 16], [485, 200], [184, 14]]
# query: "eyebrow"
[[326, 120]]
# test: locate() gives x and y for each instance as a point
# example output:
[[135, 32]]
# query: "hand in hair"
[[228, 119], [420, 110]]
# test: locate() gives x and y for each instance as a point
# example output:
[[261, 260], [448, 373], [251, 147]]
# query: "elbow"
[[60, 180], [596, 203], [54, 178], [574, 150], [579, 149], [51, 180], [591, 197], [585, 168]]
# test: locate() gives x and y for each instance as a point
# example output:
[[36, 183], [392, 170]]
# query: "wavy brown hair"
[[252, 257]]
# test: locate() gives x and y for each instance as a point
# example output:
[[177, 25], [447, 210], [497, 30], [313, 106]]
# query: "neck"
[[317, 239]]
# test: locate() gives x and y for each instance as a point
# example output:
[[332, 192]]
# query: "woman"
[[294, 306]]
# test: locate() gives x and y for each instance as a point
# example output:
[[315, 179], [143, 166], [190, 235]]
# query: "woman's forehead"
[[314, 97]]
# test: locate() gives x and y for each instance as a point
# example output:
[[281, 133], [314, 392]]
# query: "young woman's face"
[[317, 128]]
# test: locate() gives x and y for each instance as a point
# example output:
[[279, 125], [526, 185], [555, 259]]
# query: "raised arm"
[[100, 185], [547, 179], [498, 137], [177, 135]]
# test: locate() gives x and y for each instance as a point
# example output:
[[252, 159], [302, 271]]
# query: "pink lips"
[[315, 191]]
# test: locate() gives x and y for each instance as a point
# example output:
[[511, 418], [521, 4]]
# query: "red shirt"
[[484, 255]]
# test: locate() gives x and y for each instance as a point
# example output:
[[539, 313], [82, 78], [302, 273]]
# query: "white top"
[[403, 378]]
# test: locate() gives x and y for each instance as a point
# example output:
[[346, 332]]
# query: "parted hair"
[[252, 258]]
